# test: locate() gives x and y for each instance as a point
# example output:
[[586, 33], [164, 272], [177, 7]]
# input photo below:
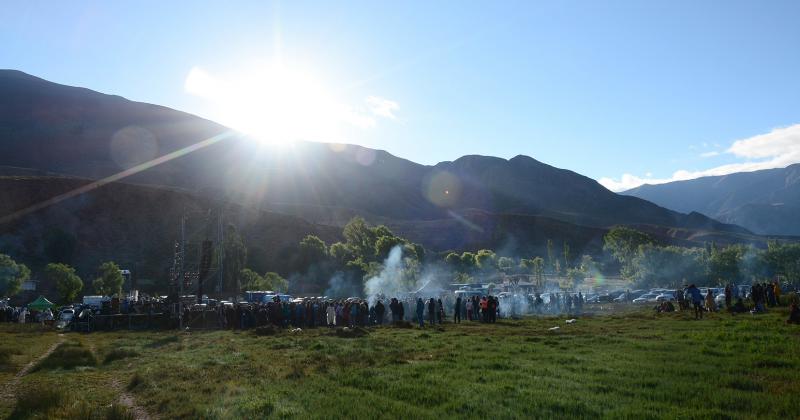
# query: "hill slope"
[[49, 127], [766, 202], [135, 226]]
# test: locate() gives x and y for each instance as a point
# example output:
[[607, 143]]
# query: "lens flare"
[[442, 189]]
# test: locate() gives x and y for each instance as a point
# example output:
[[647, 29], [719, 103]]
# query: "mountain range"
[[765, 202], [50, 131]]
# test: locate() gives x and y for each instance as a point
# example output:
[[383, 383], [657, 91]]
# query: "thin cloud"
[[777, 149], [709, 154], [382, 107]]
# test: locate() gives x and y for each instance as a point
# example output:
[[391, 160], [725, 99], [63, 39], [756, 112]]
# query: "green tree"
[[453, 260], [360, 238], [780, 259], [250, 280], [12, 275], [276, 282], [341, 254], [505, 264], [486, 260], [384, 245], [468, 261], [724, 265], [67, 283], [576, 275], [623, 243], [668, 266], [312, 250], [109, 279]]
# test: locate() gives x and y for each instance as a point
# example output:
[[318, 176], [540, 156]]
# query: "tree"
[[341, 254], [360, 238], [453, 260], [250, 280], [12, 275], [109, 280], [537, 268], [782, 260], [312, 250], [576, 275], [276, 282], [623, 243], [724, 265], [486, 260], [588, 266], [384, 245], [505, 264], [668, 266], [67, 283], [468, 261]]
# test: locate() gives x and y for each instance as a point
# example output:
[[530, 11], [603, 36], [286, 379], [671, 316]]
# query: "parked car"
[[66, 314], [646, 298], [665, 297]]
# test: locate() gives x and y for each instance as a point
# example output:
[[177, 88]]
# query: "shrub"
[[38, 400], [118, 354], [68, 356]]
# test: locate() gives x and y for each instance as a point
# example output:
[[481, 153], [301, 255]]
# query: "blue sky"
[[621, 91]]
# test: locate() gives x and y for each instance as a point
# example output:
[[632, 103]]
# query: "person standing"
[[697, 300], [420, 312], [710, 305], [379, 311], [457, 311], [439, 311], [431, 311], [330, 313], [728, 296]]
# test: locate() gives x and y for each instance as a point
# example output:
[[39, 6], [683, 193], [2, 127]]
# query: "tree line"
[[646, 262], [67, 283]]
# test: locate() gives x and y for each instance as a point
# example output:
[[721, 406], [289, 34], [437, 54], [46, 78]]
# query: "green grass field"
[[632, 365]]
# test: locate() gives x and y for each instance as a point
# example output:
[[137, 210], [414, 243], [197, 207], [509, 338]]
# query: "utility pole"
[[183, 274], [220, 255]]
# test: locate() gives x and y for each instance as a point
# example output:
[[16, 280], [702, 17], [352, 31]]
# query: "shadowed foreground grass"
[[630, 365]]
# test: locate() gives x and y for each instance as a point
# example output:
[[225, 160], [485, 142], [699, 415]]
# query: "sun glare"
[[271, 103]]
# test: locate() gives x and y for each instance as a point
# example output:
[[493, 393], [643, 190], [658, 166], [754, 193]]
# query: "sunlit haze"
[[625, 92]]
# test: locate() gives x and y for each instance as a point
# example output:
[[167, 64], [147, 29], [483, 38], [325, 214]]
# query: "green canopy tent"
[[41, 303]]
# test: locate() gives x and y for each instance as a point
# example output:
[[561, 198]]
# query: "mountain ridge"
[[515, 201], [764, 201]]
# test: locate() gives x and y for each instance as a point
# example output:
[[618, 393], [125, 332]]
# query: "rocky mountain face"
[[765, 202]]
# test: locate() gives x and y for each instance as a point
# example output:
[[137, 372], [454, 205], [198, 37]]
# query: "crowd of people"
[[22, 315], [380, 310], [352, 312], [762, 296]]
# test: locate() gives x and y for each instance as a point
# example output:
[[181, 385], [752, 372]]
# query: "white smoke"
[[389, 282]]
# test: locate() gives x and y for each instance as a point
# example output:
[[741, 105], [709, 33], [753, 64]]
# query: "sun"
[[271, 103]]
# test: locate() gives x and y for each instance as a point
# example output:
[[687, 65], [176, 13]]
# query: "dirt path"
[[125, 399], [8, 391]]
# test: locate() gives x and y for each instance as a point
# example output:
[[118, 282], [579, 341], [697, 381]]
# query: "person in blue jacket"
[[697, 300]]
